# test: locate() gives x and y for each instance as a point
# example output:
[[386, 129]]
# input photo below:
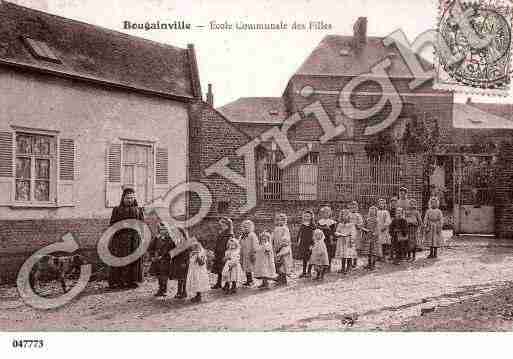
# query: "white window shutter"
[[113, 174], [67, 172], [161, 176], [6, 167], [161, 168]]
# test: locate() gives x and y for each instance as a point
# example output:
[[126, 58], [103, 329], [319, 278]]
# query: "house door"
[[474, 210]]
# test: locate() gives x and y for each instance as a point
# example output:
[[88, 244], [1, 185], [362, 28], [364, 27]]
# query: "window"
[[366, 179], [138, 170], [35, 168], [312, 158], [41, 50], [298, 181], [308, 173]]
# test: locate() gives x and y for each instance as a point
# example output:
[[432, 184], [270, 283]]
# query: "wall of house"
[[93, 117]]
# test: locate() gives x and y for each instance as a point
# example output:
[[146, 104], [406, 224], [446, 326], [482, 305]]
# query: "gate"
[[368, 178], [474, 211]]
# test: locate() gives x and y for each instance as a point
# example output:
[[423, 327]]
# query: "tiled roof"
[[335, 55], [264, 110], [92, 52], [482, 116]]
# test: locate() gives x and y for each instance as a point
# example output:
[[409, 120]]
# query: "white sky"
[[250, 63]]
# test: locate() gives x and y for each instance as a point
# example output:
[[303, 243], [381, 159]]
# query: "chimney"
[[360, 32], [210, 96]]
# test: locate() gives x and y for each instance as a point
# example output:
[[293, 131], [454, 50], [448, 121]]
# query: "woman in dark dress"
[[124, 242], [226, 233], [305, 241]]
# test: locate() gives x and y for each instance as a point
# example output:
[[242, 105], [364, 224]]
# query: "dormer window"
[[40, 50]]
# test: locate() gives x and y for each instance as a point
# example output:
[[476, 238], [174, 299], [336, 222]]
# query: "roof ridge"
[[112, 31]]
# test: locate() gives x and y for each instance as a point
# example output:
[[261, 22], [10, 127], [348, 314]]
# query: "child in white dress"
[[357, 220], [264, 260], [197, 274], [346, 245], [384, 221], [232, 270]]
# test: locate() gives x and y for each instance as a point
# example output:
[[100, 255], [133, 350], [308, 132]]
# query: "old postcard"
[[255, 166]]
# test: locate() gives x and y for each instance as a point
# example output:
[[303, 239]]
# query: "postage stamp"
[[473, 52]]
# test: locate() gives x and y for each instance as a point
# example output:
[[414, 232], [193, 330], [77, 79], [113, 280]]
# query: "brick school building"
[[434, 147]]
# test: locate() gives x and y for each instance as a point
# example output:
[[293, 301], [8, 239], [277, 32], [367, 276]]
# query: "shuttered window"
[[67, 160], [114, 163], [6, 161], [161, 170]]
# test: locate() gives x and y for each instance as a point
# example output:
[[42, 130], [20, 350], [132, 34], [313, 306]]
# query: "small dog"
[[56, 268]]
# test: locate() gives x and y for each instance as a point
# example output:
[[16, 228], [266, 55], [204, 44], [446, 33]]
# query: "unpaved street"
[[382, 299]]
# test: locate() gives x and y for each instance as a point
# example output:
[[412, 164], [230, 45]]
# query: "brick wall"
[[215, 138], [20, 239]]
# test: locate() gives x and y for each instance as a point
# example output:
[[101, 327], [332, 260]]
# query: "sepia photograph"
[[274, 166]]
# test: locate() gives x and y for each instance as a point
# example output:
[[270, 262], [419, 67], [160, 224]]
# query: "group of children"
[[394, 232]]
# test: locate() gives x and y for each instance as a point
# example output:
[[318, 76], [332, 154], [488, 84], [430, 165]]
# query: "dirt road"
[[381, 300]]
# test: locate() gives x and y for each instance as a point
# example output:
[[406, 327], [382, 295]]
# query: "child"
[[179, 265], [232, 271], [305, 241], [197, 275], [225, 233], [357, 220], [371, 243], [384, 220], [414, 222], [248, 242], [393, 206], [160, 266], [319, 257], [346, 246], [393, 214], [327, 226], [264, 260], [282, 247], [433, 221], [399, 230]]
